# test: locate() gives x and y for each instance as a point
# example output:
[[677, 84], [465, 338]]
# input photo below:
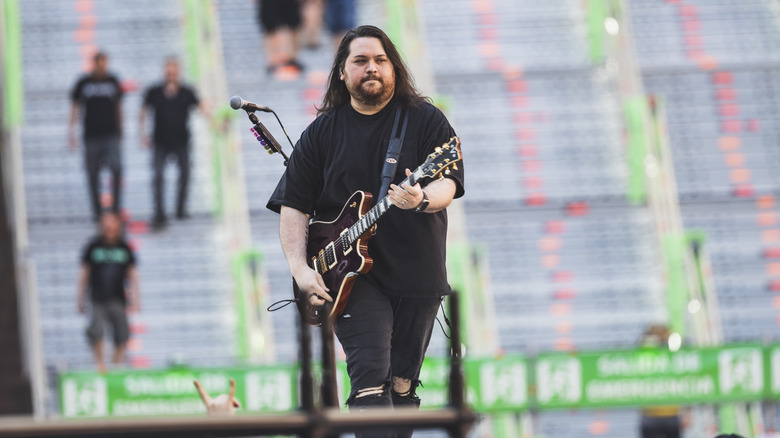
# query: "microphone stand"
[[265, 138]]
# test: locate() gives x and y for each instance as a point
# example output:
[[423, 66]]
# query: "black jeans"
[[384, 337], [97, 151], [161, 153]]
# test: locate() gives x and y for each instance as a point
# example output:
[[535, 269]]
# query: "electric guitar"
[[338, 250]]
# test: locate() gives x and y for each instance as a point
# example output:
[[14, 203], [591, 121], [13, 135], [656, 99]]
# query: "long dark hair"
[[337, 93]]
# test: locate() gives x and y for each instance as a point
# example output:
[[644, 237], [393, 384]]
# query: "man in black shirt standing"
[[107, 265], [171, 101], [387, 323], [99, 95]]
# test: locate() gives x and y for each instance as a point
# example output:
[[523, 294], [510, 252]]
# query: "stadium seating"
[[185, 285], [719, 89]]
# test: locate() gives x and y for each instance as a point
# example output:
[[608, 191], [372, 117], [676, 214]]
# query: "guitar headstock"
[[442, 160]]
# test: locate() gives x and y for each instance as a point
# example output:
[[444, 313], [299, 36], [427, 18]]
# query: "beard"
[[372, 93]]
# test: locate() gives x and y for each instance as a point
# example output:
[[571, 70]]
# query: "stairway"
[[187, 309]]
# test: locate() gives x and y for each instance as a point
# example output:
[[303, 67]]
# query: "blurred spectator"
[[311, 15], [659, 421], [98, 94], [340, 15], [280, 20], [107, 265], [171, 101]]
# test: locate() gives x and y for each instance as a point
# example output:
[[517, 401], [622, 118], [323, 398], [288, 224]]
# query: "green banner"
[[171, 392], [650, 376], [772, 366], [493, 385], [641, 377], [496, 385]]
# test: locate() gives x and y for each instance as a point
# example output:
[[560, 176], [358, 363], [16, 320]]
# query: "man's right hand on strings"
[[312, 285]]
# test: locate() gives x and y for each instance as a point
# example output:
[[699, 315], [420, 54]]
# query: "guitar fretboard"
[[373, 215]]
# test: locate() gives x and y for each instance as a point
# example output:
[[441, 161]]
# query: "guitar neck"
[[369, 219]]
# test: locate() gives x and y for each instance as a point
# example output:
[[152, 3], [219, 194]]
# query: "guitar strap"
[[393, 151]]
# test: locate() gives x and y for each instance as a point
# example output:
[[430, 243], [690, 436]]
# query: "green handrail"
[[635, 113], [13, 90]]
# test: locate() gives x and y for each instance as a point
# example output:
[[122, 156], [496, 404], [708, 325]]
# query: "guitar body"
[[341, 267]]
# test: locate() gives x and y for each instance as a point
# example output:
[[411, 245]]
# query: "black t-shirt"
[[343, 151], [171, 114], [99, 99], [108, 265]]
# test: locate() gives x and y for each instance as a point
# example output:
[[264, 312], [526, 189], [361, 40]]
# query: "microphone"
[[236, 102]]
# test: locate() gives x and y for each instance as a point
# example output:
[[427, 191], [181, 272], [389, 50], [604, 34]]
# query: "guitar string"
[[372, 215]]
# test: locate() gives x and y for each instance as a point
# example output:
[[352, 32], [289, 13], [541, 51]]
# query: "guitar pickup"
[[330, 255], [344, 239]]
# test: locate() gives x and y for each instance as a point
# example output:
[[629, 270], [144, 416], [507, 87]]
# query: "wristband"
[[423, 204]]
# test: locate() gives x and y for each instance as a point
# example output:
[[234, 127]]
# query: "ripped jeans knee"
[[364, 398]]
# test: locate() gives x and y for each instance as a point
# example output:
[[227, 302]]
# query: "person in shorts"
[[108, 265], [280, 20], [340, 16]]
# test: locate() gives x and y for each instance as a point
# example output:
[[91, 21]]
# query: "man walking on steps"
[[98, 96], [108, 267], [171, 102]]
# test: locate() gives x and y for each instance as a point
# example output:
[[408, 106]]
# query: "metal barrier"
[[310, 421]]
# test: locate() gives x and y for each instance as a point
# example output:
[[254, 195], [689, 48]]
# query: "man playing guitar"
[[386, 325]]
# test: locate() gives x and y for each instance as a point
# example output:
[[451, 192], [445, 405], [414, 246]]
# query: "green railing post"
[[635, 112], [13, 90], [597, 13], [200, 53], [674, 247], [193, 25], [250, 283]]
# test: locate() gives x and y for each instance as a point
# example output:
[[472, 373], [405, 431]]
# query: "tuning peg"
[[437, 149], [447, 172]]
